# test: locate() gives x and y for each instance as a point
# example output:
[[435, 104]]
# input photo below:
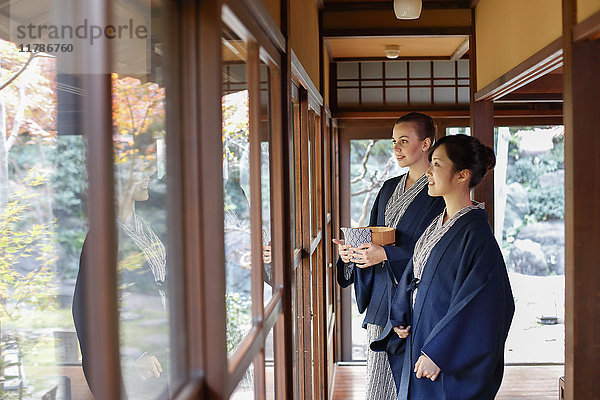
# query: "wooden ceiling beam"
[[460, 50], [588, 29], [379, 32], [388, 5]]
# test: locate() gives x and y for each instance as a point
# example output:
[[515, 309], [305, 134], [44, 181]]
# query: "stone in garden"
[[526, 257], [551, 237], [552, 179], [517, 205]]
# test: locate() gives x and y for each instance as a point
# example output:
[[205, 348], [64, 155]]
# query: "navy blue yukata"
[[462, 313]]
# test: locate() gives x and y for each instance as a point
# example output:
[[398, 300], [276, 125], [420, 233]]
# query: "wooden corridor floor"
[[528, 382]]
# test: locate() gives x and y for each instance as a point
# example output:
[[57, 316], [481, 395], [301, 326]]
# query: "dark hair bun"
[[487, 157], [467, 152]]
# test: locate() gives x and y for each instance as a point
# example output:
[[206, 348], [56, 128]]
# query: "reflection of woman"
[[142, 267], [453, 307], [402, 203]]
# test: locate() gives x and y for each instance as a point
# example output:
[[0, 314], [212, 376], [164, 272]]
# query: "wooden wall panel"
[[510, 31], [304, 36]]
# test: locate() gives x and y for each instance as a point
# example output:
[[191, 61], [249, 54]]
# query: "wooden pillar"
[[582, 215], [482, 127]]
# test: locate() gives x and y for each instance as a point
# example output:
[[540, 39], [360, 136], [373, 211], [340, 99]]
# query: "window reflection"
[[236, 189]]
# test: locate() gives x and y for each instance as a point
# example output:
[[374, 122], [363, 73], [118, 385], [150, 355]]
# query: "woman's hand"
[[425, 367], [401, 331], [344, 250], [369, 254], [267, 254], [148, 366]]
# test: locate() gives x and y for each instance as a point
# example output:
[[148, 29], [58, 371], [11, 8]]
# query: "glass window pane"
[[529, 225], [347, 83], [396, 96], [420, 95], [138, 118], [381, 165], [270, 366], [463, 68], [419, 69], [43, 186], [395, 69], [444, 82], [236, 196], [347, 97], [443, 69], [245, 388], [444, 95], [464, 95], [294, 182], [146, 292], [347, 70], [372, 96], [371, 70], [265, 140]]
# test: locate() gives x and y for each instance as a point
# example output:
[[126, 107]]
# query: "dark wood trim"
[[378, 32], [101, 311], [482, 128], [531, 98], [101, 315], [387, 5], [191, 390], [460, 51], [320, 4], [262, 15], [256, 216], [180, 350], [184, 223], [255, 183], [544, 61], [250, 347], [582, 197], [335, 229], [475, 3], [345, 305], [239, 18], [316, 241], [328, 47], [304, 282], [300, 74], [588, 29], [343, 115], [282, 246], [364, 59], [211, 245]]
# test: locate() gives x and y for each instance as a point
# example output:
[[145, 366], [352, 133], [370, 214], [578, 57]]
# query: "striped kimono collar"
[[401, 199]]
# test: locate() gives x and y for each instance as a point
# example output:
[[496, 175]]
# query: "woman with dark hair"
[[403, 204], [452, 309]]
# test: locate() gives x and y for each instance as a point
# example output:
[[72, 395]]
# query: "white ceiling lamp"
[[407, 9], [392, 51]]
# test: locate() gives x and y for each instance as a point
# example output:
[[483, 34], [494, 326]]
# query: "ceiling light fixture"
[[407, 9], [392, 51]]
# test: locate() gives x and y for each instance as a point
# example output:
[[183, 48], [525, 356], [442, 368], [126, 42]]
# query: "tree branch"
[[364, 162], [19, 72], [18, 119]]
